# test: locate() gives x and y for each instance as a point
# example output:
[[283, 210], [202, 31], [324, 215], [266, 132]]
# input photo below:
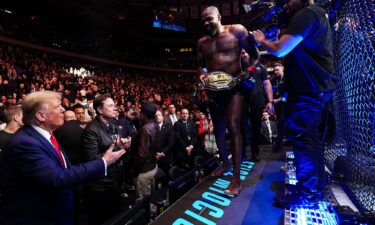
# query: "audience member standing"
[[165, 143], [79, 112], [69, 137], [186, 141], [13, 120], [268, 129], [37, 176], [145, 146], [103, 196], [172, 117]]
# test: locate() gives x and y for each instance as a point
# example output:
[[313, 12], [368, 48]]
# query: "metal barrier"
[[352, 153]]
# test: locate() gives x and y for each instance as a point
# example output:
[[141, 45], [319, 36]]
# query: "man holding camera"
[[306, 45], [219, 51]]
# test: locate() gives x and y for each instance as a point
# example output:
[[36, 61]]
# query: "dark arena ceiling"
[[131, 20]]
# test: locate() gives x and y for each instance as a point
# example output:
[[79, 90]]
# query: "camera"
[[268, 16]]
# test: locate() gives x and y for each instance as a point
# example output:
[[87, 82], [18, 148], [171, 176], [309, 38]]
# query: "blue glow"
[[216, 198], [168, 26], [208, 197], [221, 183], [199, 217], [305, 216], [181, 221], [216, 212], [244, 170]]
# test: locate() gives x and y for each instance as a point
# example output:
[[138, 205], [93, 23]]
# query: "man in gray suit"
[[172, 117]]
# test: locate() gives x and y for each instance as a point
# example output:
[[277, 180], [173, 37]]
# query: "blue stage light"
[[304, 216]]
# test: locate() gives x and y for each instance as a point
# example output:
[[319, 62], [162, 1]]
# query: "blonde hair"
[[34, 102]]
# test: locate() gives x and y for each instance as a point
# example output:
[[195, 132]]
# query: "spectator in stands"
[[103, 196], [79, 112], [37, 176], [13, 120], [165, 112], [3, 100], [145, 147], [69, 115], [127, 128], [165, 143], [186, 152], [268, 129], [69, 137], [172, 117]]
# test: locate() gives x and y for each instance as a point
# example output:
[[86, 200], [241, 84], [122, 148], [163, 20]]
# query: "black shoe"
[[297, 200]]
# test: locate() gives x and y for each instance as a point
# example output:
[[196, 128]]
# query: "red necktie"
[[57, 148]]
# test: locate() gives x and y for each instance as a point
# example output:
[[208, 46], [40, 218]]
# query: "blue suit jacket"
[[37, 188]]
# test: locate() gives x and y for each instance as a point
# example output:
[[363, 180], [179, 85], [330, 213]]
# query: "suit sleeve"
[[36, 164], [181, 145], [170, 140]]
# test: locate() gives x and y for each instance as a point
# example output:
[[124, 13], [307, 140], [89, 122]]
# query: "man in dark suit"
[[165, 143], [69, 137], [268, 129], [172, 117], [186, 151], [37, 177]]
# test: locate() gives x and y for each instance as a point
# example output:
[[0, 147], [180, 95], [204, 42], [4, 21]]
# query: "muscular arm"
[[201, 63], [269, 93], [280, 47], [248, 44]]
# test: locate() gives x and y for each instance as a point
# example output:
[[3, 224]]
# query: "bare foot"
[[234, 188]]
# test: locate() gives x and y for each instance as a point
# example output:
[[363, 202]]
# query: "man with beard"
[[307, 47], [220, 50]]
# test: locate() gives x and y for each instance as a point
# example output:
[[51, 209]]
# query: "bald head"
[[211, 21], [211, 10], [69, 115]]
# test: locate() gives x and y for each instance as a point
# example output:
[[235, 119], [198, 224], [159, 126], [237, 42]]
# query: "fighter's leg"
[[217, 111], [234, 111]]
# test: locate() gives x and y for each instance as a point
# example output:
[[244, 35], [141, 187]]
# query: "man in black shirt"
[[13, 119], [259, 98], [279, 99], [306, 45]]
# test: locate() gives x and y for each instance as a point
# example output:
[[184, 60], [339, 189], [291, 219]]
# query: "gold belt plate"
[[219, 80]]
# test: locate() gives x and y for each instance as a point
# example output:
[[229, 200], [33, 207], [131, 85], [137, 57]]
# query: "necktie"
[[57, 147], [269, 129]]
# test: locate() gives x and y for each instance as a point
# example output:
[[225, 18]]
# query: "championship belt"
[[219, 80]]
